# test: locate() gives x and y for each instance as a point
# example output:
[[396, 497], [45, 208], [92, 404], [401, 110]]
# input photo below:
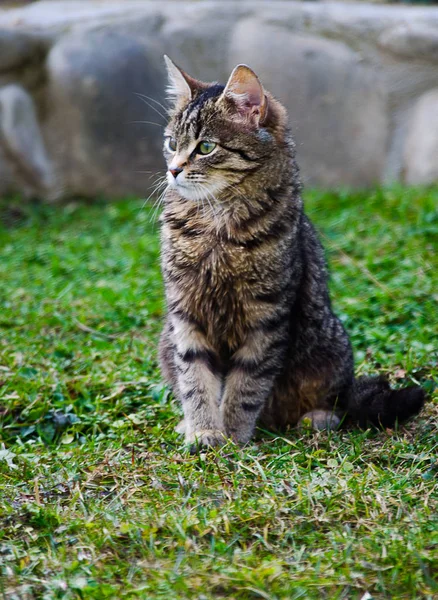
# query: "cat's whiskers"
[[198, 200], [160, 186], [143, 98], [220, 211], [156, 186], [201, 198], [201, 190], [156, 102], [158, 204], [147, 123], [204, 189], [216, 208]]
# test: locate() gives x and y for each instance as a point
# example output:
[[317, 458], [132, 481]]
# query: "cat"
[[250, 334]]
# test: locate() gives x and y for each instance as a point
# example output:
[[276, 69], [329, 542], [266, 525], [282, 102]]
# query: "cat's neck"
[[233, 211]]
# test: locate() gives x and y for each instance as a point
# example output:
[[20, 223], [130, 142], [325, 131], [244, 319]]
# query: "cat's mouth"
[[178, 184]]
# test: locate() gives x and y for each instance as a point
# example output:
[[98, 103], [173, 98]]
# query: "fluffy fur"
[[250, 333]]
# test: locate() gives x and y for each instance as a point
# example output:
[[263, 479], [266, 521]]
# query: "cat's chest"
[[215, 265], [215, 281]]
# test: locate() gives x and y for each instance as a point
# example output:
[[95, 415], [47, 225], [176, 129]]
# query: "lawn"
[[98, 496]]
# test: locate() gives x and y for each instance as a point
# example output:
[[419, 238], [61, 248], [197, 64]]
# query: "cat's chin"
[[189, 193], [195, 194]]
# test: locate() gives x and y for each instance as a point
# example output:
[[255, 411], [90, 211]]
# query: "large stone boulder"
[[337, 104], [82, 100], [415, 41], [105, 123], [22, 142], [421, 146], [17, 48]]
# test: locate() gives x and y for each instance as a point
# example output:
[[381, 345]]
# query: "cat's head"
[[218, 136]]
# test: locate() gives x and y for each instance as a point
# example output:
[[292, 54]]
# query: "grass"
[[98, 498]]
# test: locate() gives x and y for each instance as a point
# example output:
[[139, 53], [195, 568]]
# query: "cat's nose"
[[176, 171]]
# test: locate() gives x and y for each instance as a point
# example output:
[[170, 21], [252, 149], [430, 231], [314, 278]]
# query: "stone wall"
[[82, 83]]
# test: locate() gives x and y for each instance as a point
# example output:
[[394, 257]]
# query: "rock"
[[16, 48], [336, 103], [416, 41], [22, 143], [106, 137], [421, 145], [349, 74], [199, 39], [8, 183]]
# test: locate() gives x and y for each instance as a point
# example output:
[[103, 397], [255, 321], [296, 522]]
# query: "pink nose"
[[175, 172]]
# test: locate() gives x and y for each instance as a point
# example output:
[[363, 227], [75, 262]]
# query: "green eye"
[[171, 144], [206, 147]]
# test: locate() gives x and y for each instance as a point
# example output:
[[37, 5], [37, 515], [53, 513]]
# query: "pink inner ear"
[[246, 92]]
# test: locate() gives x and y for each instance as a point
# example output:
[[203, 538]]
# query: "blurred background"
[[98, 499], [82, 87]]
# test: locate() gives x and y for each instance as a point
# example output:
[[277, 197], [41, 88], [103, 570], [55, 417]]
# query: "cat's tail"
[[371, 400]]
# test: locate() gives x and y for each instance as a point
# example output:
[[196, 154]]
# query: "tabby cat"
[[250, 333]]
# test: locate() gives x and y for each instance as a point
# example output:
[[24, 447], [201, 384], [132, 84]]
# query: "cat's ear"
[[245, 96], [181, 87]]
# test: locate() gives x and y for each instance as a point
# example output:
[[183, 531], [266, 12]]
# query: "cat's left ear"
[[245, 96]]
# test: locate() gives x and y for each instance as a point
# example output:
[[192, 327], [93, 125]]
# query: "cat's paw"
[[319, 420], [205, 438]]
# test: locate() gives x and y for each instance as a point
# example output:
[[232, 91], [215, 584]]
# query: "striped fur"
[[250, 333]]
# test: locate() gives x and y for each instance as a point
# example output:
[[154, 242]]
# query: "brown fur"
[[250, 331]]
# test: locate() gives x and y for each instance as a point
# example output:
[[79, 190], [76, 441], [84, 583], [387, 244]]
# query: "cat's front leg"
[[199, 384], [249, 381]]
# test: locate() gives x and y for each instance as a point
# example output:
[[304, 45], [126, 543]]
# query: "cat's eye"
[[171, 144], [206, 147]]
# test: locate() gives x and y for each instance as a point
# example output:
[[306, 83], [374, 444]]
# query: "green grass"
[[98, 498]]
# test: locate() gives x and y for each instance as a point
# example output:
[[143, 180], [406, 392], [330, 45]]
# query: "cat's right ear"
[[181, 87], [245, 96]]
